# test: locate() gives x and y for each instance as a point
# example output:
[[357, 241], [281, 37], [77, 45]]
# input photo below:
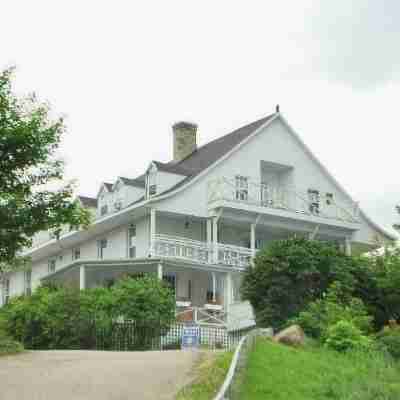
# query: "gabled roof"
[[108, 186], [88, 201], [172, 167], [137, 182], [206, 155]]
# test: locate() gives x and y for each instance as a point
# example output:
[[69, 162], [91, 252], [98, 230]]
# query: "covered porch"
[[203, 294]]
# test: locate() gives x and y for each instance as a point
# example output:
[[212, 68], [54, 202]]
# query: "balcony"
[[280, 198], [201, 252]]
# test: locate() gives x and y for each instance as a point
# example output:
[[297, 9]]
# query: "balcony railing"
[[179, 247], [234, 255], [201, 252], [280, 198]]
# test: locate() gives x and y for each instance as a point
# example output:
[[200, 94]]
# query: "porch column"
[[152, 230], [82, 277], [209, 239], [215, 240], [214, 287], [253, 240], [228, 291], [347, 246], [159, 271]]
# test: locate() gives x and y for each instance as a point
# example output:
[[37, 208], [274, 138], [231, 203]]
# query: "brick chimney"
[[185, 139]]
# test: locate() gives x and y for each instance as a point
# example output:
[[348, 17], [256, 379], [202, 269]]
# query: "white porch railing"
[[234, 255], [201, 252], [216, 315], [279, 197], [180, 247]]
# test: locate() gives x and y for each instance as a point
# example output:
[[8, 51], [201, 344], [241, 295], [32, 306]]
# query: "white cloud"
[[123, 72]]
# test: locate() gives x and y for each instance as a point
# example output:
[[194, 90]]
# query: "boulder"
[[292, 336]]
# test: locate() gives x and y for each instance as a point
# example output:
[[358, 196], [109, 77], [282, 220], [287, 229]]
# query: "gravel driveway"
[[90, 375]]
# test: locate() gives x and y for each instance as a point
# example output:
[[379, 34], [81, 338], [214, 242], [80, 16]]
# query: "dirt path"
[[89, 375]]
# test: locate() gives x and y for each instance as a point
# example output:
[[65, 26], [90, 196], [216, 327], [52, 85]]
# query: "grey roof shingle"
[[88, 201], [206, 155], [108, 185], [137, 182]]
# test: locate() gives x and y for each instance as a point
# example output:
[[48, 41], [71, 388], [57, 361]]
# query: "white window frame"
[[75, 251], [52, 265], [101, 248], [242, 188], [28, 282], [6, 291], [104, 210], [131, 241], [314, 201], [151, 180]]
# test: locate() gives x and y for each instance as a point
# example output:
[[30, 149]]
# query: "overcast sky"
[[123, 71]]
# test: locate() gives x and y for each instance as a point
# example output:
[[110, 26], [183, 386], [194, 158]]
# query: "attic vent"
[[185, 139]]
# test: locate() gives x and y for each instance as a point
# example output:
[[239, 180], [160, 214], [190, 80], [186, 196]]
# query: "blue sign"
[[190, 337]]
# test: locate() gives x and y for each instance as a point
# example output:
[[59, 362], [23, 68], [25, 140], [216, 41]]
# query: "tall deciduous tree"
[[29, 139]]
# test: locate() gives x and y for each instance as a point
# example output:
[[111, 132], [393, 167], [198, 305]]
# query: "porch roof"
[[132, 262]]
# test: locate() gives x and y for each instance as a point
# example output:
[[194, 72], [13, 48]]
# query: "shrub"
[[66, 318], [389, 338], [344, 336], [291, 273], [336, 305], [9, 346]]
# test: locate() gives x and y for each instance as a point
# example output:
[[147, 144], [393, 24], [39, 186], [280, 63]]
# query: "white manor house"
[[198, 220]]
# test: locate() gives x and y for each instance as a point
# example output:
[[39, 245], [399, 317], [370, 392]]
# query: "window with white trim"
[[28, 282], [242, 187], [132, 241], [101, 247], [76, 253], [329, 199], [314, 201], [170, 280], [104, 210], [152, 182], [6, 291], [52, 265]]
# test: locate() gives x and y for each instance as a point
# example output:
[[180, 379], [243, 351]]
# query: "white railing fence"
[[201, 252], [279, 197], [184, 248], [202, 315]]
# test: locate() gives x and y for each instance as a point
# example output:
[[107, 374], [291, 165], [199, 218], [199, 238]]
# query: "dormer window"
[[152, 181], [104, 210]]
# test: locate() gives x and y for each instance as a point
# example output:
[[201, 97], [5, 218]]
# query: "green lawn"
[[209, 375], [277, 372]]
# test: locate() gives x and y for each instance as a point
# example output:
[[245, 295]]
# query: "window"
[[189, 289], [118, 205], [28, 282], [132, 241], [329, 198], [170, 280], [6, 291], [76, 253], [101, 246], [242, 188], [314, 201], [104, 210], [52, 265], [152, 182]]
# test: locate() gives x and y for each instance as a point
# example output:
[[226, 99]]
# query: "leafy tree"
[[29, 139], [289, 274], [384, 269]]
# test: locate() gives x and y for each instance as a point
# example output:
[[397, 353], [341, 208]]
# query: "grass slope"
[[209, 375], [278, 372]]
